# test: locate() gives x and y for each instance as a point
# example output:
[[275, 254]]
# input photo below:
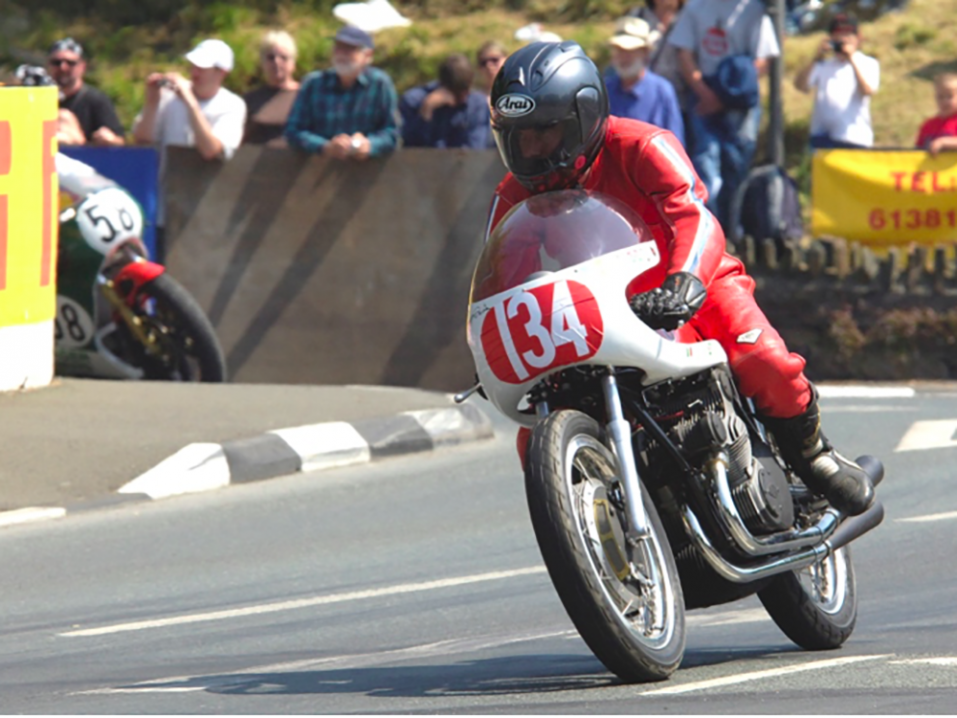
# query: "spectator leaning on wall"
[[349, 111], [196, 112], [268, 106], [939, 133], [447, 112], [86, 114], [843, 79]]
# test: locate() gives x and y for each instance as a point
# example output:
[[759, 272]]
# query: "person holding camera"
[[843, 79], [191, 112]]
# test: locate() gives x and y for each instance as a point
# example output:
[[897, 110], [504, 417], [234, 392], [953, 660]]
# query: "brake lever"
[[462, 396]]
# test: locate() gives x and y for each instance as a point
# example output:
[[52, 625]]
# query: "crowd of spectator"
[[691, 67]]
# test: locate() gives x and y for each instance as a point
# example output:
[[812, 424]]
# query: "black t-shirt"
[[93, 110], [266, 111]]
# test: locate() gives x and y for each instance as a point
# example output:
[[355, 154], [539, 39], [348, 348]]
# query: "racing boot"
[[824, 471]]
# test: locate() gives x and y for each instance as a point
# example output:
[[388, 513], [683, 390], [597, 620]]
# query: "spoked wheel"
[[816, 607], [183, 345], [624, 597]]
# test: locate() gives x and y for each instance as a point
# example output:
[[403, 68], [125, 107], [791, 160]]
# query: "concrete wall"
[[320, 272], [326, 273]]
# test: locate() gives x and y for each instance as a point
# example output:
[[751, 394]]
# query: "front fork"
[[122, 290], [619, 430]]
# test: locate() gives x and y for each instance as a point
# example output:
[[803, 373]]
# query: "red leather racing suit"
[[647, 168]]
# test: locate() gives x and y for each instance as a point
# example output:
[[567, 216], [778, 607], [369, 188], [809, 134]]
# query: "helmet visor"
[[538, 150]]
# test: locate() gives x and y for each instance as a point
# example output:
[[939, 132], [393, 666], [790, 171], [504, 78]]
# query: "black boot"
[[824, 471]]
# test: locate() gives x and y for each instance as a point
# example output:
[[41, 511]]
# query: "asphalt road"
[[415, 585]]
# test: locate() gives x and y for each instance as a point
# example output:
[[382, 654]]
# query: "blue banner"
[[136, 169]]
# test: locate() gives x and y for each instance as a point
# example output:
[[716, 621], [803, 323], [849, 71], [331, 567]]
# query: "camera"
[[837, 46], [164, 82]]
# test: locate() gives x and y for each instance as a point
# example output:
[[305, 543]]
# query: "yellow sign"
[[28, 206], [885, 197]]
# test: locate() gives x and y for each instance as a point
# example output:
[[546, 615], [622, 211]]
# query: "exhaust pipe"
[[848, 531], [800, 548], [855, 527]]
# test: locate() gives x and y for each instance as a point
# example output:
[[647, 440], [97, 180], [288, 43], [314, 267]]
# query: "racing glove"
[[672, 304]]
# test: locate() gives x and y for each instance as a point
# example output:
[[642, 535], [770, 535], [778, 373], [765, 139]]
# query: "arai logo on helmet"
[[515, 105]]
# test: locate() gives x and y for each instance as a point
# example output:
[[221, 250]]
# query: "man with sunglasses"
[[86, 114]]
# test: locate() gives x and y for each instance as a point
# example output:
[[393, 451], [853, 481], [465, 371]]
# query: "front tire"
[[185, 345], [625, 601], [815, 607]]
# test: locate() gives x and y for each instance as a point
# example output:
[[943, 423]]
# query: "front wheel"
[[624, 597], [182, 344], [816, 607]]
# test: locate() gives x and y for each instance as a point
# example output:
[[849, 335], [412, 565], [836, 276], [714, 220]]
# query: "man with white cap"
[[195, 112], [350, 111], [634, 91]]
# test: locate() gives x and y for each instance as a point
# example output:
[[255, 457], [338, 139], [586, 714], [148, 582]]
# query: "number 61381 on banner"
[[882, 219]]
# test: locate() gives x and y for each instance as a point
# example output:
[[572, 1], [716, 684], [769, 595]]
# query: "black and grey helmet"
[[549, 87]]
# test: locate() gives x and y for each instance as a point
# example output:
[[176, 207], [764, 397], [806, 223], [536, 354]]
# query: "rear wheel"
[[623, 597], [816, 607]]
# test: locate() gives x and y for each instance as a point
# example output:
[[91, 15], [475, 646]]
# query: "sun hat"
[[631, 33]]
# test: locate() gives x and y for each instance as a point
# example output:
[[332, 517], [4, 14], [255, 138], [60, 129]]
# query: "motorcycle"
[[120, 315], [652, 485]]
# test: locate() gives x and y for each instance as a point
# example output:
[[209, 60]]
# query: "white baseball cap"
[[211, 53]]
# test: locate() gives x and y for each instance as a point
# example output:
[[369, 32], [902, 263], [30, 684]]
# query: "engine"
[[704, 420]]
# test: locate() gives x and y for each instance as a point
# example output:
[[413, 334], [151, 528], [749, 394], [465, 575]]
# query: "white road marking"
[[937, 434], [729, 618], [949, 515], [936, 661], [140, 689], [869, 408], [304, 602], [866, 392], [196, 467], [760, 675], [22, 516]]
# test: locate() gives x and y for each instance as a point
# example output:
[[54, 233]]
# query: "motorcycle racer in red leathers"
[[552, 127]]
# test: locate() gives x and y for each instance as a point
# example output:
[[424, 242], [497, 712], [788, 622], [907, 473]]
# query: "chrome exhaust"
[[849, 530]]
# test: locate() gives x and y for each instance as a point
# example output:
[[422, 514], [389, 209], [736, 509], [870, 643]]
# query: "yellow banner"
[[883, 198], [28, 204]]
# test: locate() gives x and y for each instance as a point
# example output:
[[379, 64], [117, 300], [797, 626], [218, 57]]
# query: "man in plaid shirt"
[[350, 111]]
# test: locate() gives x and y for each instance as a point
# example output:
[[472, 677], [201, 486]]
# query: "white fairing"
[[573, 316]]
